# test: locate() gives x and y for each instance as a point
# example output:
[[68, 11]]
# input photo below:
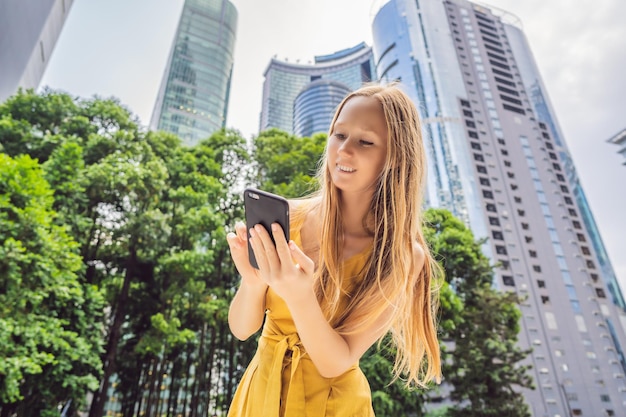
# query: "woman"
[[356, 268]]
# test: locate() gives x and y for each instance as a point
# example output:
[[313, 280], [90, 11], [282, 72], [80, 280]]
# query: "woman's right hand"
[[238, 243]]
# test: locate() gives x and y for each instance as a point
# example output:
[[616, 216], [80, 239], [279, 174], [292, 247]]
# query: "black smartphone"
[[264, 208]]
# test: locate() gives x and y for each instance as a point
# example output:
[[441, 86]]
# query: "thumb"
[[306, 263]]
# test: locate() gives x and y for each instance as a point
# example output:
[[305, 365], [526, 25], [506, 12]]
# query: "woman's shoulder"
[[297, 205], [305, 220]]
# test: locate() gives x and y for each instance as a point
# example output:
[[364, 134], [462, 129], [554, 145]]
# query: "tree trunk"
[[233, 349], [159, 400], [188, 397], [172, 399], [100, 397], [199, 375], [151, 387], [7, 410], [211, 356], [143, 380]]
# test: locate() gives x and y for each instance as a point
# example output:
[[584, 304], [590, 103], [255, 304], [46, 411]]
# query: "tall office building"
[[193, 99], [284, 81], [314, 106], [498, 160], [29, 30]]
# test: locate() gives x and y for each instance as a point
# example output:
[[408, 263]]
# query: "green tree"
[[149, 216], [49, 348], [287, 164]]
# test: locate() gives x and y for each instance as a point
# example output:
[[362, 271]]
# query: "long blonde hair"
[[390, 278]]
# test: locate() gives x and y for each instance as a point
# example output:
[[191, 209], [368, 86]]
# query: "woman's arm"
[[331, 352], [247, 309]]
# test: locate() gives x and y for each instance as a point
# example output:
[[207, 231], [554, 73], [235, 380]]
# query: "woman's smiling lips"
[[344, 168]]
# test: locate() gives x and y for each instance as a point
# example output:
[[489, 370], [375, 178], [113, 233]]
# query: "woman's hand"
[[238, 243], [283, 267], [247, 309]]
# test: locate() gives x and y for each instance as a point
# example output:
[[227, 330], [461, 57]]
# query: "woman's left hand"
[[284, 267]]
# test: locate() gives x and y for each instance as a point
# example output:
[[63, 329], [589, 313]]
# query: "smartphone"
[[264, 208]]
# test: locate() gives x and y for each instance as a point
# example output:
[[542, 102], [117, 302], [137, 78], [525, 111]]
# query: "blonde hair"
[[390, 278]]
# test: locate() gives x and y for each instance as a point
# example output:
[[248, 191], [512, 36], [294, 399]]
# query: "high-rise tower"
[[284, 81], [315, 105], [498, 160], [193, 98], [29, 31]]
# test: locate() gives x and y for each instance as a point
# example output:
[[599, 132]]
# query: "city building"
[[620, 140], [284, 81], [29, 30], [315, 105], [193, 99], [498, 160]]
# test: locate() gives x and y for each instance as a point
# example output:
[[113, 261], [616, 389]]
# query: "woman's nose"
[[346, 146]]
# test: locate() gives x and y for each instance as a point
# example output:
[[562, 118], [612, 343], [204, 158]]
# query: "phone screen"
[[264, 208]]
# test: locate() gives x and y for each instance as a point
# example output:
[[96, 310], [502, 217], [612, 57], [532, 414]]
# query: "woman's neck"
[[354, 210]]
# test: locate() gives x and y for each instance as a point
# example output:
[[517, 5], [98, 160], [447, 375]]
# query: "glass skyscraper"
[[498, 160], [29, 30], [193, 99], [315, 106], [284, 81]]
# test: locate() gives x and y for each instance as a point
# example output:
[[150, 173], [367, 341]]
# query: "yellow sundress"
[[282, 381]]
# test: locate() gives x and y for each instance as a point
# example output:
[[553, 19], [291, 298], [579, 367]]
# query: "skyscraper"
[[29, 30], [193, 99], [498, 160], [314, 106], [284, 81]]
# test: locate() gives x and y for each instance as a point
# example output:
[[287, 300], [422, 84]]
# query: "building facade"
[[314, 106], [498, 160], [29, 30], [193, 99], [284, 81]]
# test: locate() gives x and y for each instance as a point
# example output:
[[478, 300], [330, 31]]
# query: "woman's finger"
[[282, 248], [239, 253], [259, 252], [268, 248], [233, 240], [240, 229], [305, 263]]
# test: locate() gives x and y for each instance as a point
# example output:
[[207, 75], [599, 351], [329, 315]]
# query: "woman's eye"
[[340, 136], [366, 143]]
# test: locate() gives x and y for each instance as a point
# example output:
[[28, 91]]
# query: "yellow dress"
[[281, 380]]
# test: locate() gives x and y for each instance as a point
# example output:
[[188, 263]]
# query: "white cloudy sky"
[[119, 48]]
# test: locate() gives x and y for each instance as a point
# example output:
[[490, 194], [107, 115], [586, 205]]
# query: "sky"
[[119, 48]]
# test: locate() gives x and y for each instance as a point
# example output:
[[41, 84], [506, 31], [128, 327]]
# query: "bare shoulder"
[[295, 205], [419, 255], [307, 212]]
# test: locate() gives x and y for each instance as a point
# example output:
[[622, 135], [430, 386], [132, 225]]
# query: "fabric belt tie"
[[295, 396]]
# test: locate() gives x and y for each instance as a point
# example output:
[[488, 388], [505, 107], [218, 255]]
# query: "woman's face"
[[357, 146]]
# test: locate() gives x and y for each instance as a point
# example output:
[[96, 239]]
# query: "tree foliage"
[[49, 348], [149, 218], [287, 164]]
